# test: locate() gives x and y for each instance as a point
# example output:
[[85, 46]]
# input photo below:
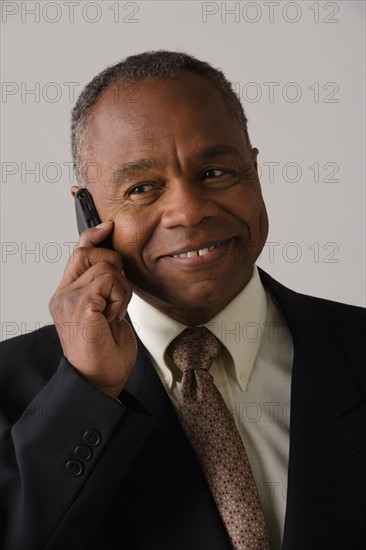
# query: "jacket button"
[[74, 467], [82, 452], [91, 437]]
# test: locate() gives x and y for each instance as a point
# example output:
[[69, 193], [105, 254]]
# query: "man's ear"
[[74, 189], [254, 153]]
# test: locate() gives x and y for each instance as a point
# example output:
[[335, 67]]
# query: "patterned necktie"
[[215, 439]]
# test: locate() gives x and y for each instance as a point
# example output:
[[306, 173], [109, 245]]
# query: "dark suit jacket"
[[79, 471]]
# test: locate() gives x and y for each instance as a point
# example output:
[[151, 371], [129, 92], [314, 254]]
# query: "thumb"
[[95, 235], [125, 339]]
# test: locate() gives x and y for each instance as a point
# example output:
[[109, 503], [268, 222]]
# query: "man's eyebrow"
[[217, 151], [122, 171]]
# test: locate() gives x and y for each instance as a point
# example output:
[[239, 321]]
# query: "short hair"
[[135, 68]]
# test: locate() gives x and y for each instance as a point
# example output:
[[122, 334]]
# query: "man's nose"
[[187, 204]]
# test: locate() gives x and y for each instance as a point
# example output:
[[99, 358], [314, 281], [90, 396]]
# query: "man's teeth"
[[192, 253]]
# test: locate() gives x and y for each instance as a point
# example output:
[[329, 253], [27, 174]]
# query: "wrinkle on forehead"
[[152, 96], [167, 116]]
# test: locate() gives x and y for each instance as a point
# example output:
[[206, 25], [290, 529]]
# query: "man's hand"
[[88, 309]]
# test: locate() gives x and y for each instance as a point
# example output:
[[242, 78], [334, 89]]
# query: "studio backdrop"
[[299, 70]]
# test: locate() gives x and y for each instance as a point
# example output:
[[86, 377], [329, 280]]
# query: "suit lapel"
[[325, 467]]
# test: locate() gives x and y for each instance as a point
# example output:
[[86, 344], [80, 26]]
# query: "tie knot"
[[194, 348]]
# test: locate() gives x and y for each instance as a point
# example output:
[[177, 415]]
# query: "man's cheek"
[[129, 248], [127, 236]]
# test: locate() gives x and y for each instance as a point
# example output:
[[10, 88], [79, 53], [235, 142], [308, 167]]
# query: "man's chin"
[[194, 303]]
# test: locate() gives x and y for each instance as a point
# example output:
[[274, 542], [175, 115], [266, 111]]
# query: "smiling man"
[[179, 182], [112, 435]]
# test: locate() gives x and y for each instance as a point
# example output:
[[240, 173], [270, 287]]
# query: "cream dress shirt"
[[253, 375]]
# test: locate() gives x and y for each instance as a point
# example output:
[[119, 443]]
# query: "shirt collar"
[[239, 326]]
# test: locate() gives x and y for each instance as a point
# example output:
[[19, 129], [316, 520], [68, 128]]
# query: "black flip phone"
[[87, 215]]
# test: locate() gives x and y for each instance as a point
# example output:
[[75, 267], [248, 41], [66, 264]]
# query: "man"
[[93, 450]]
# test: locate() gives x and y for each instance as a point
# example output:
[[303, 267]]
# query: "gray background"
[[299, 68]]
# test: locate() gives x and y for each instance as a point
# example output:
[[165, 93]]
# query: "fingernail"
[[121, 316], [104, 224]]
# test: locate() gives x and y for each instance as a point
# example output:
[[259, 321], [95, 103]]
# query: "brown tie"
[[215, 439]]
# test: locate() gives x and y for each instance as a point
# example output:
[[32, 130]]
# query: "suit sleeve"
[[51, 442]]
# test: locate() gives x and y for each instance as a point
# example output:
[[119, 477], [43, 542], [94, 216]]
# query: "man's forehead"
[[149, 94], [159, 113]]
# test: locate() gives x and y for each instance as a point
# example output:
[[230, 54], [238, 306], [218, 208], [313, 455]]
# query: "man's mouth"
[[199, 252], [199, 255]]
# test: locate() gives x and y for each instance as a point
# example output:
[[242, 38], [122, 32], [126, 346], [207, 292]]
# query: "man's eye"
[[224, 176], [212, 173], [140, 189], [216, 175]]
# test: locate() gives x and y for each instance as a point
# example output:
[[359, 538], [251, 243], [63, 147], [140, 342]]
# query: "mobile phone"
[[87, 215]]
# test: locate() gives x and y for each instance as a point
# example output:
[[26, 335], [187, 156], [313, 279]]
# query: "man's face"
[[176, 178]]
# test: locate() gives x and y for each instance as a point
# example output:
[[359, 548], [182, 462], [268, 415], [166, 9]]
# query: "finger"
[[106, 295], [95, 235], [97, 270], [103, 299], [84, 258]]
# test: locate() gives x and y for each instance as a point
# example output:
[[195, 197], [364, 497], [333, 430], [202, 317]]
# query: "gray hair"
[[146, 65]]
